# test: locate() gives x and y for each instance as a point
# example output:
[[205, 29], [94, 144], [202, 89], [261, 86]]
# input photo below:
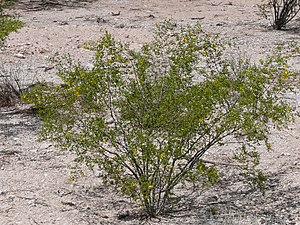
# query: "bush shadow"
[[225, 204], [15, 121]]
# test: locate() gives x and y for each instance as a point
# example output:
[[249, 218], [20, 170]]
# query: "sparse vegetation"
[[10, 85], [147, 117], [282, 11], [8, 23], [9, 81]]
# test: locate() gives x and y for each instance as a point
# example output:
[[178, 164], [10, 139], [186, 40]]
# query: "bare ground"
[[34, 185]]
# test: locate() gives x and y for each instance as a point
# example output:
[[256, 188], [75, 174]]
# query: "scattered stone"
[[122, 25], [198, 18], [101, 20], [116, 14], [62, 23], [285, 154], [43, 50], [96, 171], [68, 203], [20, 56]]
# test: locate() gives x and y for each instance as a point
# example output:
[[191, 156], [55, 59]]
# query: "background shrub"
[[147, 117], [8, 23], [283, 11], [12, 84], [9, 78]]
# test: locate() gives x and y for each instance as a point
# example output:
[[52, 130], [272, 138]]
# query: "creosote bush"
[[283, 11], [147, 117]]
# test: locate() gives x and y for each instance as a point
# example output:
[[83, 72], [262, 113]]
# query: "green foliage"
[[8, 23], [146, 117], [283, 11]]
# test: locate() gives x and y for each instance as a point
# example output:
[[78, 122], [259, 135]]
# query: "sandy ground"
[[34, 185]]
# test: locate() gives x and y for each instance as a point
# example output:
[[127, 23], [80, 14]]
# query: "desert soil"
[[34, 184]]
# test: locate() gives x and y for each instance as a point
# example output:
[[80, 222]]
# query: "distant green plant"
[[147, 117], [8, 23]]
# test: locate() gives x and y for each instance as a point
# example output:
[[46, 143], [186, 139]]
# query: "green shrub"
[[8, 23], [147, 117]]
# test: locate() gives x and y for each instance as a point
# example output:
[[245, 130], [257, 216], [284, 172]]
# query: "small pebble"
[[20, 56]]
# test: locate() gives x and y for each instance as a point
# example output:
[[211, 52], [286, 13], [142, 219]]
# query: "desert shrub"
[[12, 84], [8, 23], [9, 80], [147, 117], [283, 11]]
